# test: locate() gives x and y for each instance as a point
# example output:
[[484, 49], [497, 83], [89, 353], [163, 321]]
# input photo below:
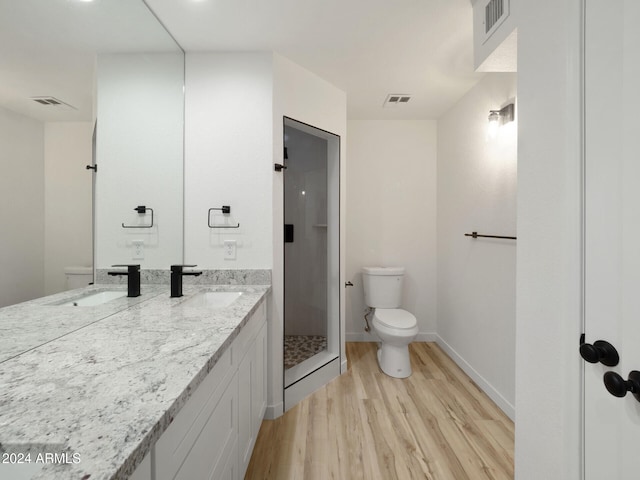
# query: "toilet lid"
[[395, 318]]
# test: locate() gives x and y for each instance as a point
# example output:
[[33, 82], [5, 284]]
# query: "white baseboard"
[[426, 337], [484, 385], [274, 411], [370, 337], [360, 337]]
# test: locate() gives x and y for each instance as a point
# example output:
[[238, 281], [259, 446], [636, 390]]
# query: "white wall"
[[228, 146], [476, 277], [22, 212], [548, 367], [140, 110], [391, 220], [68, 203]]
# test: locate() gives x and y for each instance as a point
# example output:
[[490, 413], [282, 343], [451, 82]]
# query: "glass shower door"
[[311, 258]]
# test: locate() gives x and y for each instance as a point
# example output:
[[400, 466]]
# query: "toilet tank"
[[77, 277], [382, 286]]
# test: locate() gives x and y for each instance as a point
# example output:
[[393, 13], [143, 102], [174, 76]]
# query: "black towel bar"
[[477, 235]]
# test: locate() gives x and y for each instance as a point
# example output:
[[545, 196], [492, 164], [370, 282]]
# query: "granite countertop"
[[102, 394], [27, 325]]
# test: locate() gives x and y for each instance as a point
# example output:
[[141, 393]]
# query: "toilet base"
[[394, 360]]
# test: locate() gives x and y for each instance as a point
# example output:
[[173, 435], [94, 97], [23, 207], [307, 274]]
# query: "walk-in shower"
[[311, 256]]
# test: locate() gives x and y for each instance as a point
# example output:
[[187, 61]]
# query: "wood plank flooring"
[[364, 425]]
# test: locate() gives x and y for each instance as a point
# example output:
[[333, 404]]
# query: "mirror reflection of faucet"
[[133, 278], [177, 273]]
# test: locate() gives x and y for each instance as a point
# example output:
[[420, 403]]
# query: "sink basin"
[[93, 299], [212, 299]]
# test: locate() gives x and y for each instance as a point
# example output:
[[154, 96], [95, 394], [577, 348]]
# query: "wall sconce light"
[[500, 117]]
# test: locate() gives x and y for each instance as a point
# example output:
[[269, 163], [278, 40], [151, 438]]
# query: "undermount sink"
[[212, 299], [93, 299]]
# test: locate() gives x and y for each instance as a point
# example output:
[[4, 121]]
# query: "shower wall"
[[306, 257]]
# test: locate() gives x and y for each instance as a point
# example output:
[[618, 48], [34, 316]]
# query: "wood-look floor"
[[436, 424]]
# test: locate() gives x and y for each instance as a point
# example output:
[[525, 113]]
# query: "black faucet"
[[176, 278], [133, 279]]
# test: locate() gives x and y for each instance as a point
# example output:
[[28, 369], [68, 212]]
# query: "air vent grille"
[[493, 11], [395, 99], [53, 102]]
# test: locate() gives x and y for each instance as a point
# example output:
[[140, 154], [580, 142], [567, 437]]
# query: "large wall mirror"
[[87, 82]]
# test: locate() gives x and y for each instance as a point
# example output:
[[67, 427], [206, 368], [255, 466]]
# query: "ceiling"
[[369, 48], [48, 48]]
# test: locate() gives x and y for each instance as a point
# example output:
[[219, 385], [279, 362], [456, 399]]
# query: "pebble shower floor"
[[297, 348]]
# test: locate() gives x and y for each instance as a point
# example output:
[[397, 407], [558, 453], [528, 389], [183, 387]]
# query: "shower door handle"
[[288, 233]]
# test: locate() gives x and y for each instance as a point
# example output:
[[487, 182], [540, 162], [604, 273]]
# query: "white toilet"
[[78, 277], [396, 328]]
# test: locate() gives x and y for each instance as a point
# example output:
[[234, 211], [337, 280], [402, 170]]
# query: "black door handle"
[[288, 233], [601, 351], [618, 386]]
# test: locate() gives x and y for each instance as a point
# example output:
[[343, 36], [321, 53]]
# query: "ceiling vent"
[[495, 12], [395, 99], [53, 102]]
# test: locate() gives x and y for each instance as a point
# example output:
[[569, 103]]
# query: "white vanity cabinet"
[[213, 435], [252, 397], [143, 471]]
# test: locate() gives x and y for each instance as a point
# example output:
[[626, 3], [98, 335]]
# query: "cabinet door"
[[143, 471], [246, 376], [228, 471], [252, 397], [259, 384], [176, 442], [216, 442]]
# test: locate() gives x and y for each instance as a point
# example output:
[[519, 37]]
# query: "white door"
[[612, 233]]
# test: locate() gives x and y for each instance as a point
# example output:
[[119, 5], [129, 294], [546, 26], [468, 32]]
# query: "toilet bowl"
[[394, 327]]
